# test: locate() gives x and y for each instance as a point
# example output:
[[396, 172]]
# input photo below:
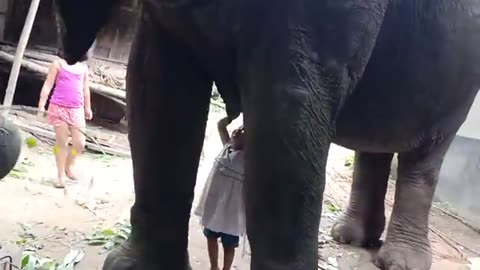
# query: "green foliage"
[[111, 237], [105, 158], [332, 208], [21, 169], [26, 236], [31, 261], [349, 161]]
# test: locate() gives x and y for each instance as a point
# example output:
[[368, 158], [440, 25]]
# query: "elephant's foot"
[[355, 231], [125, 257], [122, 258], [403, 258]]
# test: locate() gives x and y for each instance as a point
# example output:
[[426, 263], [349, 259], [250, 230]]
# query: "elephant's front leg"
[[407, 246], [287, 147], [168, 98], [299, 75]]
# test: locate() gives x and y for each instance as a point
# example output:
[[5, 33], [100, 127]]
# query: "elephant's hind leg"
[[407, 246], [168, 98], [363, 222]]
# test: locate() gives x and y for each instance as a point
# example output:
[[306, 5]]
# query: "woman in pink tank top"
[[69, 107]]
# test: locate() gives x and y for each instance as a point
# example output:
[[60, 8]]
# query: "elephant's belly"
[[375, 129], [376, 136], [389, 115], [373, 135], [419, 83]]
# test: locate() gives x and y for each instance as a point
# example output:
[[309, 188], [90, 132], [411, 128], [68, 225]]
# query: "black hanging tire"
[[10, 146]]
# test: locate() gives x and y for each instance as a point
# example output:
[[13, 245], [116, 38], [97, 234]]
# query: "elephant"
[[378, 77], [10, 146]]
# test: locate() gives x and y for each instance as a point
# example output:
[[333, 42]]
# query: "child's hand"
[[224, 122], [88, 114], [41, 112]]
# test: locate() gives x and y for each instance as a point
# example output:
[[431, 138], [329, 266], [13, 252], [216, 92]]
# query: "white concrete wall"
[[471, 127]]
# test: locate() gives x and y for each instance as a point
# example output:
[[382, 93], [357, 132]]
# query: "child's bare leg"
[[78, 145], [213, 252], [60, 150], [228, 255], [230, 242]]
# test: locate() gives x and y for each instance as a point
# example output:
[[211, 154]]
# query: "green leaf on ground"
[[104, 158], [20, 169], [19, 172], [27, 163], [26, 236], [31, 261], [332, 208], [111, 237], [349, 161]]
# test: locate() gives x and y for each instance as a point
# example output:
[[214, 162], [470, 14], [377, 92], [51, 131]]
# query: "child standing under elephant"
[[68, 109], [221, 205]]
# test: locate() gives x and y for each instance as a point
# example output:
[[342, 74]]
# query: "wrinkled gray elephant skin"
[[376, 76], [10, 146]]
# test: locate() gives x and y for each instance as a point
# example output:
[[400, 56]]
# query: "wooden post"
[[17, 62], [58, 25]]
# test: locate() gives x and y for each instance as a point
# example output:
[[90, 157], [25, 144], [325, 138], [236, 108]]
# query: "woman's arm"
[[48, 84], [222, 130]]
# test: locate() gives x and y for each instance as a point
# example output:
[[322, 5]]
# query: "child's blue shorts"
[[228, 240]]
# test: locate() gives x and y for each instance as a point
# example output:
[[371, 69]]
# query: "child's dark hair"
[[85, 57]]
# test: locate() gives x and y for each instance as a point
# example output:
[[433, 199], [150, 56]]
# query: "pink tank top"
[[68, 91]]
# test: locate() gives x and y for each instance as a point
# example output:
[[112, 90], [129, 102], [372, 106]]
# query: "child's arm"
[[48, 84], [222, 130], [86, 96]]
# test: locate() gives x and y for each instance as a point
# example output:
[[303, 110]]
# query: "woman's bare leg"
[[60, 150], [78, 145]]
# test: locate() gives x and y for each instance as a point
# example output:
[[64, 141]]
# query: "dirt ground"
[[58, 221]]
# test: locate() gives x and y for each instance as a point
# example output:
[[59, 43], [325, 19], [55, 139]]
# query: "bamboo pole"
[[17, 62]]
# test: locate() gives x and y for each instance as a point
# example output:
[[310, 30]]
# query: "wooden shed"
[[112, 47], [113, 42]]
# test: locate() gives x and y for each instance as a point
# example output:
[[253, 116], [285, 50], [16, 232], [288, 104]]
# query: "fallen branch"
[[90, 145], [95, 136], [39, 62], [459, 219], [98, 88], [114, 99], [452, 243], [44, 57]]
